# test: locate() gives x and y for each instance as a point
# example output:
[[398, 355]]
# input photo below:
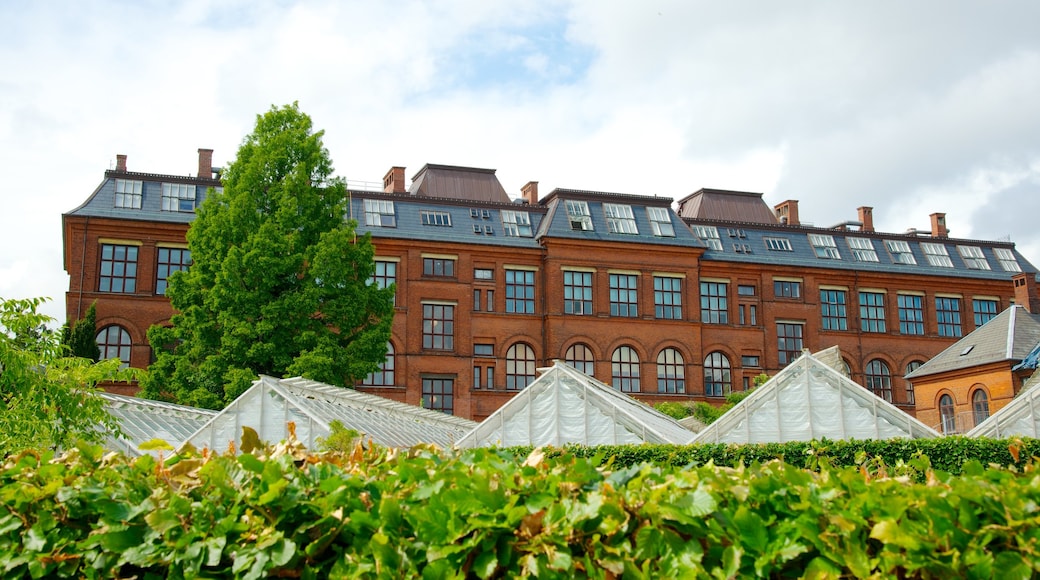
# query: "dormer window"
[[435, 218], [661, 221], [824, 246], [778, 244], [1007, 260], [579, 215], [936, 254], [380, 213], [709, 235], [900, 252], [862, 249], [128, 194], [178, 197], [517, 224], [973, 258], [620, 219]]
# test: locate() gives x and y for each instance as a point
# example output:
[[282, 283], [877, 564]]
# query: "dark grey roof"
[[720, 204], [451, 182], [1007, 337], [102, 202]]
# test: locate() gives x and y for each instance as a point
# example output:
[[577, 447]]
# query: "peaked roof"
[[467, 183], [1019, 417], [144, 420], [1009, 336], [271, 403], [811, 400], [565, 406]]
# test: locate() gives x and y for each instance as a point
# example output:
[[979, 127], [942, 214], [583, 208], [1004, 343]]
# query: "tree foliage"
[[279, 283], [80, 337], [46, 397]]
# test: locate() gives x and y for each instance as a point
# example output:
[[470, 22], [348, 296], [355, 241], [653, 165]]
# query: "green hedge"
[[425, 513]]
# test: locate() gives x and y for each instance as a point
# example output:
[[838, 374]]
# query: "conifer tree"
[[80, 336]]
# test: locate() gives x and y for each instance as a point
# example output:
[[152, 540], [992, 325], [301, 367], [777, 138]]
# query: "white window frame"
[[175, 194], [973, 257], [937, 255], [862, 249], [380, 213], [620, 219], [1007, 260], [900, 252], [709, 235], [778, 244], [128, 193], [824, 246], [660, 221], [435, 218], [517, 224], [579, 215]]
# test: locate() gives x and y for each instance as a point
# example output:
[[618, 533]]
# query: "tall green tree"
[[46, 398], [279, 283], [80, 337]]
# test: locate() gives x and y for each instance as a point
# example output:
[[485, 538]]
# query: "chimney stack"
[[206, 163], [393, 181], [121, 163], [866, 217], [529, 193], [787, 211], [1025, 292], [939, 226]]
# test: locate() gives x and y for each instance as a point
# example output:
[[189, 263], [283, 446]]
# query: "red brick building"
[[667, 304]]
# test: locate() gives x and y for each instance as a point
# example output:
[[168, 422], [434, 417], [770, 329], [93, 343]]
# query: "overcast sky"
[[908, 107]]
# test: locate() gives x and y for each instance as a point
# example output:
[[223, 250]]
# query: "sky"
[[907, 107]]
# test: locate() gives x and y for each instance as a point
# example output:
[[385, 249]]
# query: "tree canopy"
[[46, 397], [280, 280]]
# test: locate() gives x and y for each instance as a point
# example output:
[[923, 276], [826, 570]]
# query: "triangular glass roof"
[[565, 406], [270, 404], [144, 420], [1019, 417], [809, 400]]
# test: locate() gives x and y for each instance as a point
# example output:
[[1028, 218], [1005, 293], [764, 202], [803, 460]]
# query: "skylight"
[[862, 249], [824, 246], [620, 219], [936, 254]]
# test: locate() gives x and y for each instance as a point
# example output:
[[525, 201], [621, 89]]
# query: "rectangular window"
[[985, 310], [778, 244], [872, 312], [714, 309], [118, 269], [483, 274], [661, 222], [520, 291], [483, 349], [438, 394], [787, 289], [385, 275], [380, 213], [936, 254], [862, 249], [577, 292], [900, 252], [170, 260], [476, 300], [745, 290], [438, 326], [824, 246], [579, 215], [948, 316], [911, 314], [435, 218], [753, 319], [668, 298], [1007, 260], [832, 305], [973, 258], [749, 361], [490, 301], [789, 341], [623, 295], [178, 197], [128, 194], [440, 267], [620, 219], [709, 235], [517, 224]]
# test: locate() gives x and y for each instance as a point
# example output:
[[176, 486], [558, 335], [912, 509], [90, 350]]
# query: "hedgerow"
[[426, 513]]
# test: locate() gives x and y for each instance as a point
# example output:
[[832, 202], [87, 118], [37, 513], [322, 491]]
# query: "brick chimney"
[[529, 193], [939, 226], [206, 163], [393, 181], [1025, 292], [121, 163], [787, 212], [866, 217]]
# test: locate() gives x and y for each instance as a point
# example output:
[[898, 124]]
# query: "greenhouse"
[[1020, 417], [144, 420], [809, 399], [270, 404], [565, 406]]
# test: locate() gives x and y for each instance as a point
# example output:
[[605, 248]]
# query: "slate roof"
[[1009, 336], [565, 406], [102, 203], [271, 403], [1030, 361], [810, 400], [143, 420]]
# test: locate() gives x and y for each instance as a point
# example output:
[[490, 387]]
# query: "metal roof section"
[[270, 404], [1009, 336], [1020, 417], [1030, 361], [452, 182], [565, 406], [725, 205], [810, 400], [144, 420]]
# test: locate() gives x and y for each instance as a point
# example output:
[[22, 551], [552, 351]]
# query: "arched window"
[[846, 369], [946, 414], [384, 376], [580, 357], [114, 342], [519, 366], [624, 370], [980, 405], [671, 376], [879, 379], [911, 367], [717, 379]]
